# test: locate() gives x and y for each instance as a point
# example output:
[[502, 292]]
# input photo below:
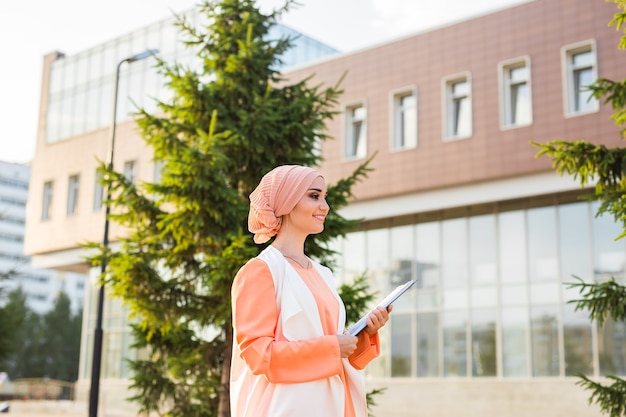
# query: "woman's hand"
[[347, 344], [377, 319]]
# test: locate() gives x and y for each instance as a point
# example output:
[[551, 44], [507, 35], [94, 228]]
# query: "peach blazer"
[[292, 367]]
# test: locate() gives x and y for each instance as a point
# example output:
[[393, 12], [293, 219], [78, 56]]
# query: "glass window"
[[542, 246], [484, 353], [378, 260], [427, 334], [404, 121], [612, 347], [401, 345], [130, 170], [428, 266], [454, 325], [580, 72], [512, 247], [515, 341], [98, 194], [516, 100], [354, 255], [609, 255], [482, 250], [544, 341], [458, 117], [454, 259], [402, 263], [577, 341], [575, 242], [356, 132], [72, 194], [48, 188]]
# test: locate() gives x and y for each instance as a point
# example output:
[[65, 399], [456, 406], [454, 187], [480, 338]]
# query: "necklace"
[[308, 262]]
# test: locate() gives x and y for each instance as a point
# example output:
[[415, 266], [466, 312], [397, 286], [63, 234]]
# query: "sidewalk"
[[63, 408]]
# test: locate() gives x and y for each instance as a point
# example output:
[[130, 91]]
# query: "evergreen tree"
[[226, 125], [26, 357], [61, 340], [587, 163]]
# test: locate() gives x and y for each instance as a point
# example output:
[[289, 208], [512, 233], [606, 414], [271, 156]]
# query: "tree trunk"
[[223, 408]]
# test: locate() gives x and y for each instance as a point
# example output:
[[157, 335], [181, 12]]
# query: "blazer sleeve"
[[255, 318]]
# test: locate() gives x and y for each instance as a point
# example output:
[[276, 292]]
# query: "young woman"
[[291, 357]]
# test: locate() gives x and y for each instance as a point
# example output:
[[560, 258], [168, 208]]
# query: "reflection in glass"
[[377, 259], [482, 249], [454, 257], [484, 353], [575, 242], [428, 344], [454, 325], [612, 347], [428, 255], [609, 254], [514, 341], [354, 255], [577, 341], [542, 244], [512, 245], [544, 338], [401, 345]]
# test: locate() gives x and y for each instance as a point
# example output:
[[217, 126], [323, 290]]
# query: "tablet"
[[356, 328]]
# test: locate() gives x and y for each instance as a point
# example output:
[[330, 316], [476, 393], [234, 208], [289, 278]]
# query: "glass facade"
[[81, 88], [491, 298]]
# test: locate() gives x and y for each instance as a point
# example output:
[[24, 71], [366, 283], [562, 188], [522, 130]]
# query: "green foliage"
[[611, 399], [226, 125], [601, 299], [607, 168], [45, 345]]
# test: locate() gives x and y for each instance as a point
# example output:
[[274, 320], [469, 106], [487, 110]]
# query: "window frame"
[[395, 108], [348, 131], [568, 79], [448, 102], [73, 194], [131, 170], [506, 111], [46, 200]]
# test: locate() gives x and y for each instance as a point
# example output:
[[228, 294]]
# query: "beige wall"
[[482, 398]]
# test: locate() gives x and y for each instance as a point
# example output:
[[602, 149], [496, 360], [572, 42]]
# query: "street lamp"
[[97, 341]]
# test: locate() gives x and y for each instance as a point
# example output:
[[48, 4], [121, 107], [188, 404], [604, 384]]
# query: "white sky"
[[31, 29]]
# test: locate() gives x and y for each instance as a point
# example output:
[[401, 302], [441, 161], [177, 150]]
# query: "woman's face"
[[308, 215]]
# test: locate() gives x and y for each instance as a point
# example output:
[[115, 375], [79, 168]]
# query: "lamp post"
[[97, 341]]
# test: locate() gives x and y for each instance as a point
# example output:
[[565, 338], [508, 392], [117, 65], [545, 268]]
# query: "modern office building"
[[41, 287], [457, 200]]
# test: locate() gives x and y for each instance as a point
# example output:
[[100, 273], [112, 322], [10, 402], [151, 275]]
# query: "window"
[[404, 127], [72, 194], [356, 132], [580, 71], [458, 108], [130, 170], [98, 194], [516, 105], [47, 200]]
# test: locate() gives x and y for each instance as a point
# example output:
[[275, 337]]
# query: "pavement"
[[62, 408]]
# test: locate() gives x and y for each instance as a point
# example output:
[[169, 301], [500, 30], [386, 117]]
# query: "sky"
[[31, 29]]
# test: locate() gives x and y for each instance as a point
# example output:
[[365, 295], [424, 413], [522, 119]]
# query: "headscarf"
[[276, 195]]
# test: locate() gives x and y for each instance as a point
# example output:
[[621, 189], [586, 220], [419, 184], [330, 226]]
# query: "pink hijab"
[[276, 195]]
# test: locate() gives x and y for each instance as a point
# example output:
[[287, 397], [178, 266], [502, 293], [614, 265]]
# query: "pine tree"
[[226, 125], [607, 166], [61, 340]]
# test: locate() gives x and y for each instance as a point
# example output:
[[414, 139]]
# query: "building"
[[41, 287], [456, 200]]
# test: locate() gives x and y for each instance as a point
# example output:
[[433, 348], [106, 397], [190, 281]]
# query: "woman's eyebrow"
[[319, 190]]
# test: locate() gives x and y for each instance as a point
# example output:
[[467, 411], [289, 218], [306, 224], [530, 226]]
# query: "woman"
[[290, 354]]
